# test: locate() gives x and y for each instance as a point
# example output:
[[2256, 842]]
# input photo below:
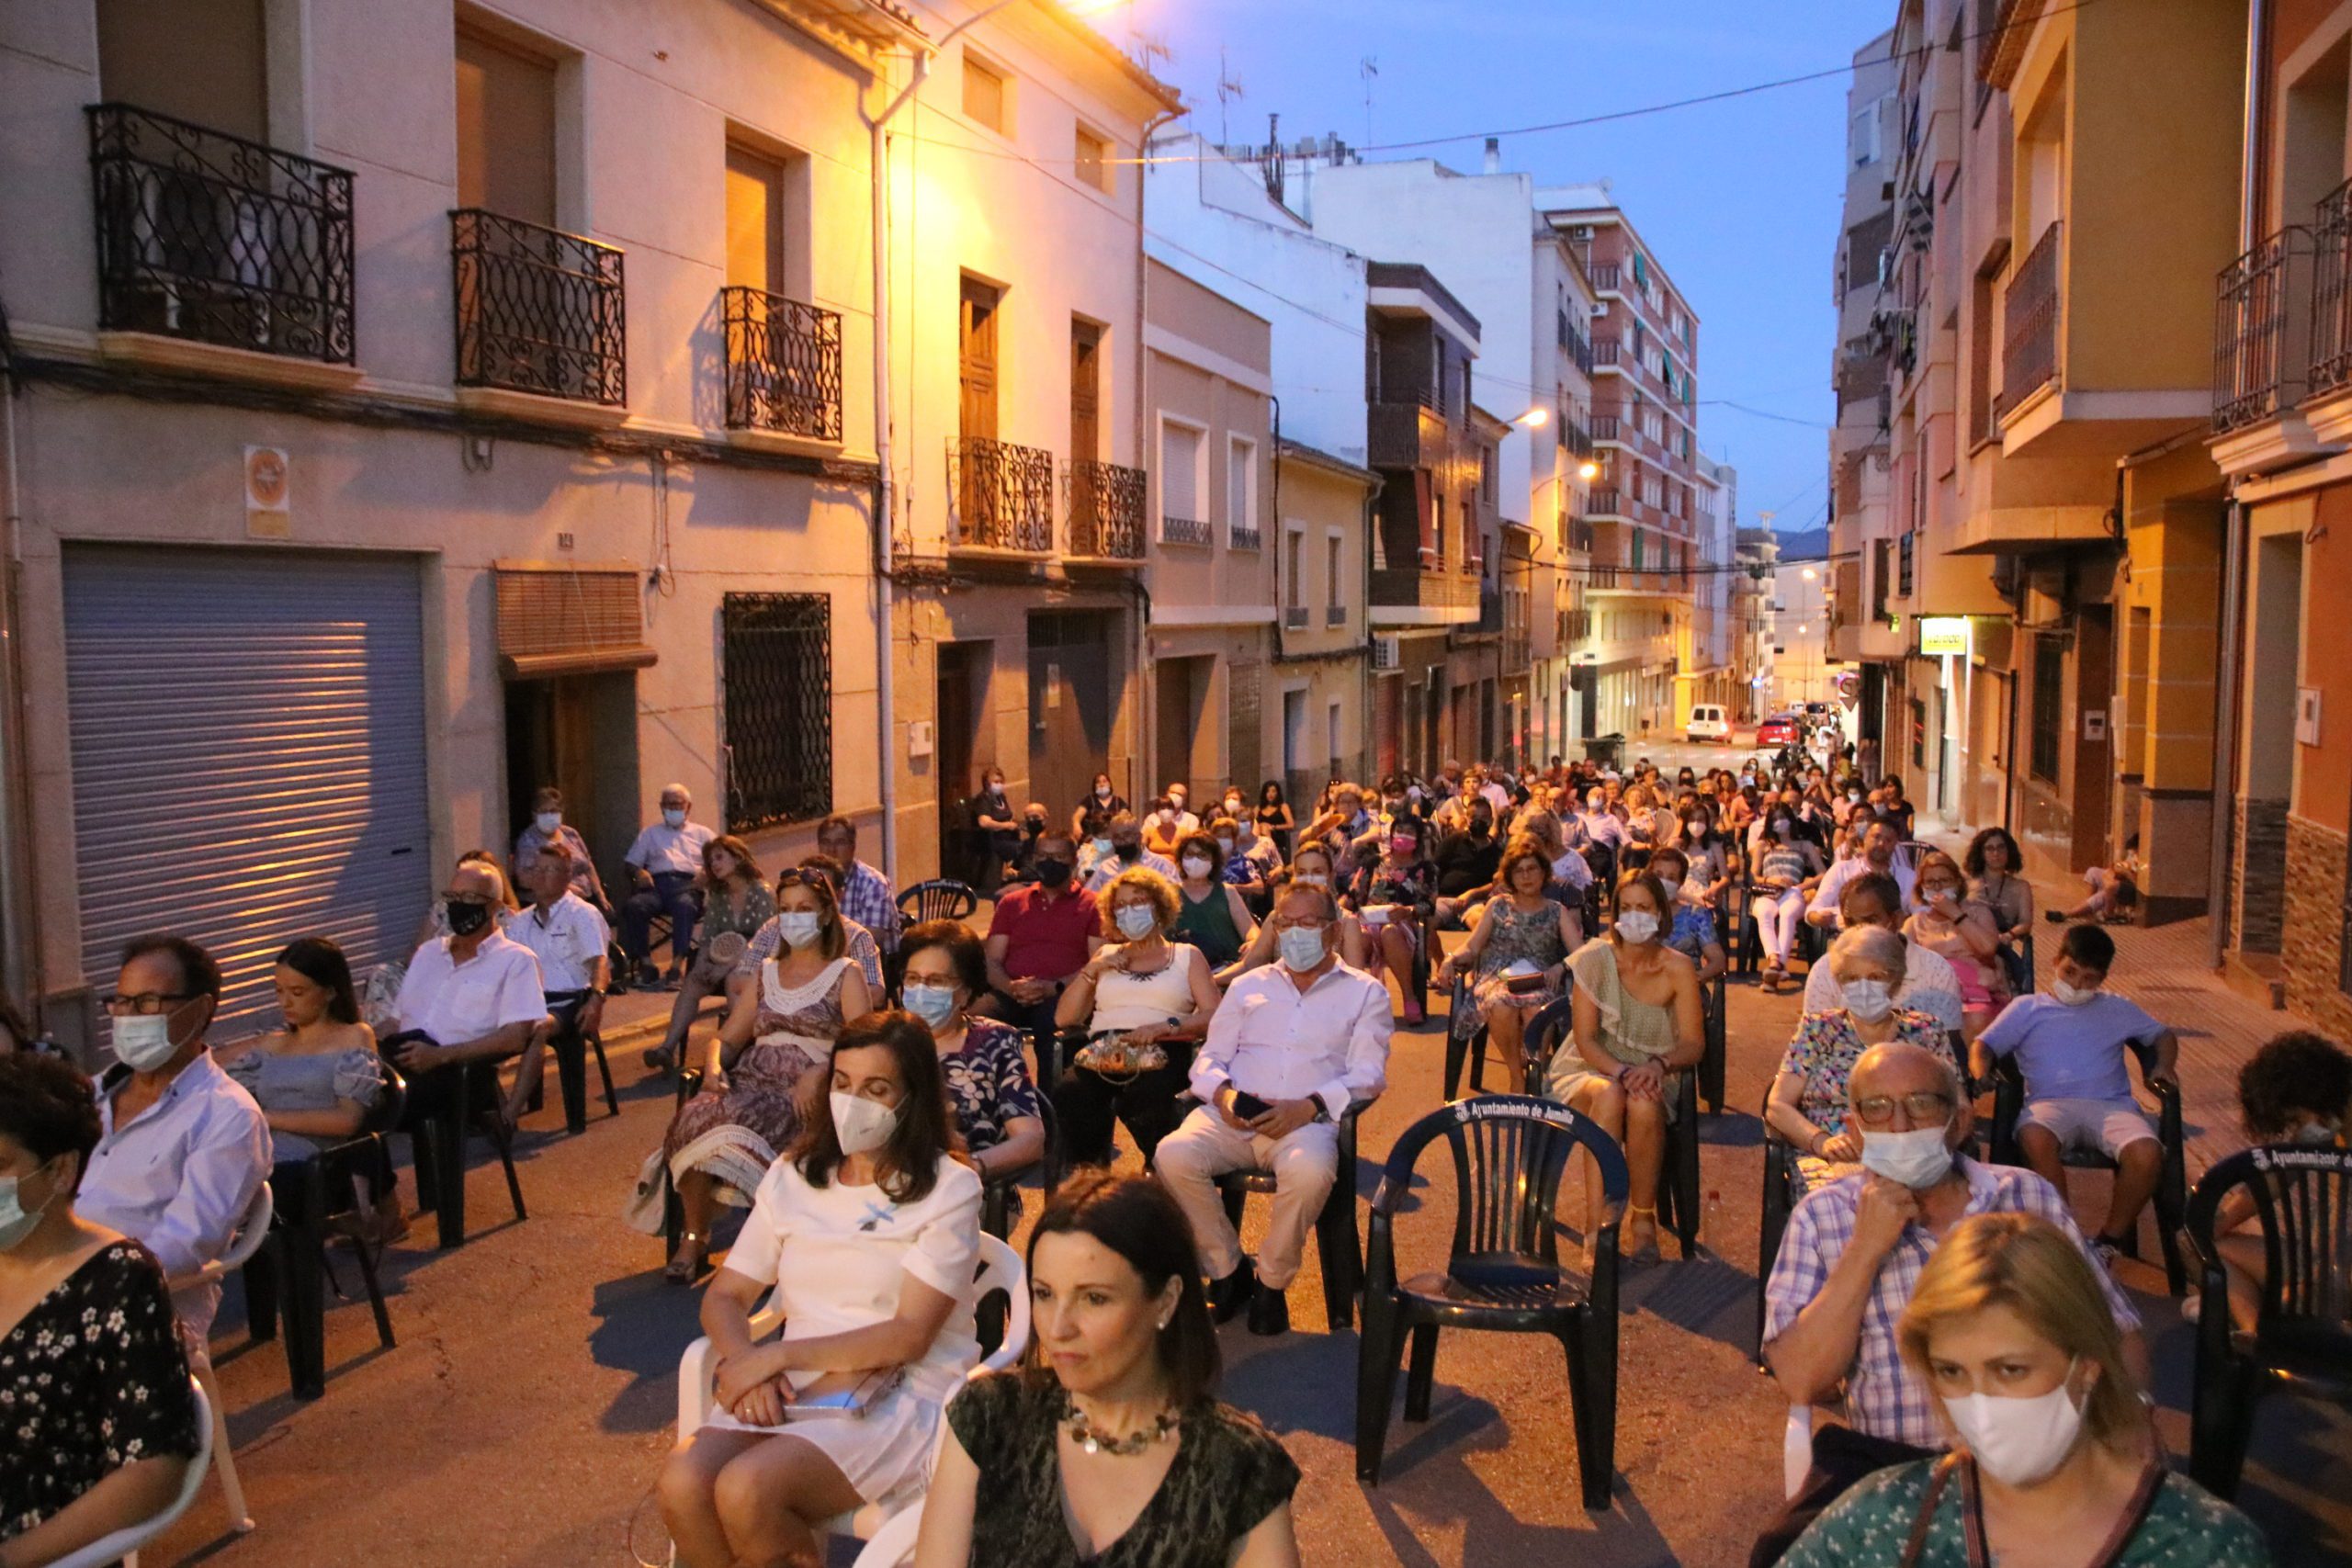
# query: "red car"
[[1780, 729]]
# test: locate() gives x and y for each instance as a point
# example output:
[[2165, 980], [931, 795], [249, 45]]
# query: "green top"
[[1208, 925], [723, 912], [2185, 1526], [1632, 1030]]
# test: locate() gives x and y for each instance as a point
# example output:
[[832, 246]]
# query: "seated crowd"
[[1218, 985]]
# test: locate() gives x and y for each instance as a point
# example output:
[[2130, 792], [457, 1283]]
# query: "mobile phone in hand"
[[1248, 1106]]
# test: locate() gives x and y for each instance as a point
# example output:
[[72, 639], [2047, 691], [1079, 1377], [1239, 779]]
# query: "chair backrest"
[[391, 1106], [1509, 1151], [2302, 1197], [1002, 1269], [1548, 1032], [941, 898], [253, 1229], [122, 1544]]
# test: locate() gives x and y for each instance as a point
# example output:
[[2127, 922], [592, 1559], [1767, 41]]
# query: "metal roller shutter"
[[248, 746]]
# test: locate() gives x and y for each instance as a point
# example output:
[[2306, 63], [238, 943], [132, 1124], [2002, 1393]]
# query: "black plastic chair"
[[2172, 1185], [1712, 998], [940, 898], [1503, 1272], [1779, 1200], [1547, 1032], [1337, 1246], [1678, 1197], [570, 1045], [439, 1148], [2301, 1342]]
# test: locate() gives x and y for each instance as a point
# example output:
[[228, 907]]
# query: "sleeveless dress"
[[1632, 1030], [1208, 925], [1518, 935], [736, 1135]]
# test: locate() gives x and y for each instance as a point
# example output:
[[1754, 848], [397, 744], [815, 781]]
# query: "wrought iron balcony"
[[1604, 352], [784, 364], [2332, 291], [2029, 321], [1004, 495], [538, 311], [1242, 536], [1106, 510], [210, 237], [1187, 530]]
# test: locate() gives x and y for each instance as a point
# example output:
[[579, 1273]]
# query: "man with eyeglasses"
[[182, 1147], [1852, 1255], [1291, 1047]]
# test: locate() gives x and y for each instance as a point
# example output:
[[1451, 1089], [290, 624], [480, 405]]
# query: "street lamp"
[[1808, 574], [1536, 417]]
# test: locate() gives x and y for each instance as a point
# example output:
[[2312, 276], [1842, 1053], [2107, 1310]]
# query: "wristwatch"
[[1322, 1111]]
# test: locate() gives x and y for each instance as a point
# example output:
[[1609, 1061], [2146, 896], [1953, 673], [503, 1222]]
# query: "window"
[[505, 129], [1487, 473], [754, 221], [1335, 606], [1294, 570], [202, 60], [1242, 493], [1861, 137], [2048, 704], [1180, 482], [777, 670], [984, 96], [1094, 158]]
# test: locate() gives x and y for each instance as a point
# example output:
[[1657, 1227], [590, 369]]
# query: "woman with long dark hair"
[[1109, 1448], [867, 1234], [316, 1078], [1273, 816]]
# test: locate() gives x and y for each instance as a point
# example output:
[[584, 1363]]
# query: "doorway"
[[578, 733], [1181, 708], [1070, 681], [962, 701]]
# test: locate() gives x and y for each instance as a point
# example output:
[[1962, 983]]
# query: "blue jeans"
[[672, 894]]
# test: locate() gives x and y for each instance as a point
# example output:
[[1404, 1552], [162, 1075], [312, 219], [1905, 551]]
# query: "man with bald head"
[[1852, 1255], [664, 862]]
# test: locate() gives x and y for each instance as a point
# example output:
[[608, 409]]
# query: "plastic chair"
[[251, 1235], [2301, 1342], [123, 1545], [1678, 1198], [1712, 998], [940, 898], [1000, 1270], [998, 1193], [2172, 1184], [1335, 1245], [1779, 1197], [1503, 1272], [570, 1046], [437, 1148]]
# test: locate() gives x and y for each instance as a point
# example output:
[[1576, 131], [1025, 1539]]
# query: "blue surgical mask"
[[1136, 921], [674, 816], [16, 1222], [1300, 949], [548, 823], [933, 1004]]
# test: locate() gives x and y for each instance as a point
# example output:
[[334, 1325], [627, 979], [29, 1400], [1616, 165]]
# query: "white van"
[[1708, 722]]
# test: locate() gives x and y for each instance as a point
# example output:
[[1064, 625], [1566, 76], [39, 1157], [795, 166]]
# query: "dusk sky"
[[1739, 199]]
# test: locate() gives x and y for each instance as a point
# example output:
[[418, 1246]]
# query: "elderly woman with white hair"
[[1807, 1105]]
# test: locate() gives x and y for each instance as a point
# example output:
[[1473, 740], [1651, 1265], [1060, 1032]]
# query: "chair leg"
[[2220, 1426], [1456, 1047], [224, 1462], [1421, 1376], [504, 1140], [1684, 1148], [604, 1071], [571, 1076], [1378, 1353], [374, 1291], [1597, 1407], [2172, 1205], [1335, 1247]]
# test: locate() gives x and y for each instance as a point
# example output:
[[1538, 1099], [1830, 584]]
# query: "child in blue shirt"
[[2070, 1043]]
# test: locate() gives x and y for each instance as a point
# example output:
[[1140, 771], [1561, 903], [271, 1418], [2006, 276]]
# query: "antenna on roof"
[[1228, 90], [1369, 69]]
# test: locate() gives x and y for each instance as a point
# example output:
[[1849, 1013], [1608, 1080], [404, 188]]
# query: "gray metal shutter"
[[248, 745]]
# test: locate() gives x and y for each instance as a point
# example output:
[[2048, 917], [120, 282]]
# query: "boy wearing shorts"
[[2070, 1043]]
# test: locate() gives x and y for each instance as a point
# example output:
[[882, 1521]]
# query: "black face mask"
[[467, 919], [1128, 853], [1053, 872], [1036, 824]]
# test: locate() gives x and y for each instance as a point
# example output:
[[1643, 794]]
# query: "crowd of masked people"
[[1214, 985]]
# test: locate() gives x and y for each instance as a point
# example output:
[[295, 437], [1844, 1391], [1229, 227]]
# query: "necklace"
[[1093, 1439]]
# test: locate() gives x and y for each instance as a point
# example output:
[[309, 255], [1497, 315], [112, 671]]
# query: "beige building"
[[418, 406], [1316, 696]]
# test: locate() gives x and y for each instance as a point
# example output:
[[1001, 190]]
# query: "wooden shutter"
[[977, 334]]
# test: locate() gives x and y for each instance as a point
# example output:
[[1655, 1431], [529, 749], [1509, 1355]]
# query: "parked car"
[[1780, 729], [1708, 722], [1818, 713]]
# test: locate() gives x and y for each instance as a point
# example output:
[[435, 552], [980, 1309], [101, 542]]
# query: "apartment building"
[[1752, 618], [1706, 669], [1803, 670], [418, 404], [2281, 431]]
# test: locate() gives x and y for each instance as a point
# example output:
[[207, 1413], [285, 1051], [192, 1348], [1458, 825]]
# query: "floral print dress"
[[988, 1086], [1822, 1056], [94, 1379], [736, 1135], [1517, 935]]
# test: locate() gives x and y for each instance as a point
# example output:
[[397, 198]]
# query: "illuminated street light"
[[1536, 417], [1808, 574], [1587, 469]]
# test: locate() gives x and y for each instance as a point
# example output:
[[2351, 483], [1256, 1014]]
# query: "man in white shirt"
[[182, 1147], [1928, 983], [568, 938], [1097, 866], [1291, 1047], [1876, 859], [664, 862]]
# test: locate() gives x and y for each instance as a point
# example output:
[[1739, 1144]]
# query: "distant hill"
[[1812, 544]]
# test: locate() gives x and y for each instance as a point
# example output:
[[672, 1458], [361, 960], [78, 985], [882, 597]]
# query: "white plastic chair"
[[251, 1233], [1000, 1270], [893, 1545], [123, 1544], [1796, 1450]]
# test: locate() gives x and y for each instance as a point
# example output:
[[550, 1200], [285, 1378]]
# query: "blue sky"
[[1739, 199]]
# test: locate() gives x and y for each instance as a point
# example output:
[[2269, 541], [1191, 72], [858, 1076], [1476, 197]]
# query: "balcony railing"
[[2332, 291], [1516, 654], [1335, 614], [1605, 352], [211, 237], [1187, 530], [1242, 537], [1605, 275], [1604, 503], [784, 364], [538, 311], [1106, 510], [1294, 618], [2030, 320], [1004, 495]]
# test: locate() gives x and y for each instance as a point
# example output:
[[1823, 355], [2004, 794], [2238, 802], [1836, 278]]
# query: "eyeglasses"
[[1924, 1106], [146, 1004]]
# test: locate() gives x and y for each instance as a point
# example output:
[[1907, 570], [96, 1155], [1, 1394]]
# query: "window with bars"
[[2049, 679], [777, 670]]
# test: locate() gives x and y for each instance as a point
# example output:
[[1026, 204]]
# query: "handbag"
[[1111, 1055]]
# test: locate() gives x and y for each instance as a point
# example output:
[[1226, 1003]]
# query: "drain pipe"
[[21, 968], [2233, 537]]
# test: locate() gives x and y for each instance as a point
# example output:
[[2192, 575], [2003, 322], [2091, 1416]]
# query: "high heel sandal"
[[1638, 1242], [681, 1272]]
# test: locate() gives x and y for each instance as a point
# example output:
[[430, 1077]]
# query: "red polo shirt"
[[1044, 934]]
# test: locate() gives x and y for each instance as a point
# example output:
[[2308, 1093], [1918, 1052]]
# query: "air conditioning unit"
[[1600, 309], [1387, 653], [1580, 231]]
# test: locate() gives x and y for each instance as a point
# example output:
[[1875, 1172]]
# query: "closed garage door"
[[248, 745]]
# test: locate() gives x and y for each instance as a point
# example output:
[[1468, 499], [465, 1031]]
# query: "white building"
[[1801, 655]]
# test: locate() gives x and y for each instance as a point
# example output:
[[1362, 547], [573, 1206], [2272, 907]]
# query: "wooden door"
[[963, 684], [1069, 706], [977, 336], [1085, 389]]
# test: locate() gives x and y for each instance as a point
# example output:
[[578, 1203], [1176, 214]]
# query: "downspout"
[[2234, 534], [21, 969], [1146, 689]]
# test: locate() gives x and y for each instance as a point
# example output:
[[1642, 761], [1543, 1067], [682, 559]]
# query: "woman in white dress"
[[869, 1234]]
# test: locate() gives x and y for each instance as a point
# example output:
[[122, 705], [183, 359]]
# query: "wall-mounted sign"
[[268, 489], [1943, 633], [2307, 716], [2094, 724]]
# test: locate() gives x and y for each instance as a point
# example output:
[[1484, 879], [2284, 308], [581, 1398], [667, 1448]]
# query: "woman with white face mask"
[[994, 1098], [1314, 868], [1211, 914], [868, 1233], [762, 1064], [2051, 1461], [91, 1375], [1638, 1022], [1807, 1105], [1143, 1002]]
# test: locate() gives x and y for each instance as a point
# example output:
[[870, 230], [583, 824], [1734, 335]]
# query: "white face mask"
[[1300, 949], [143, 1041], [1102, 846], [547, 823], [2018, 1441], [1312, 879], [1673, 885], [1195, 866], [674, 816], [16, 1222], [1637, 926], [1916, 1160], [1102, 792], [798, 926], [1869, 1000], [1136, 921], [2072, 995], [863, 1125], [2319, 1133]]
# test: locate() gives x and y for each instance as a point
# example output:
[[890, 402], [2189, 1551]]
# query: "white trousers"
[[1778, 918], [1304, 1164]]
